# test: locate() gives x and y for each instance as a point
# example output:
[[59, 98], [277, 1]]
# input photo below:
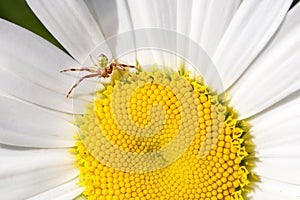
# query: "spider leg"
[[89, 69], [123, 66], [119, 67], [111, 62], [126, 66], [81, 79]]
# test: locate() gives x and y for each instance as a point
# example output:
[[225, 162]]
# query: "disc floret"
[[213, 166]]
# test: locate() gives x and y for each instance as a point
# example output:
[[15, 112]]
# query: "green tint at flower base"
[[162, 135]]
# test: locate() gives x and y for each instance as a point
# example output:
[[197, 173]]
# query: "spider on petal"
[[102, 69]]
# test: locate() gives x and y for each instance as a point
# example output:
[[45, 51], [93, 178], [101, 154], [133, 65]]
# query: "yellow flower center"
[[162, 135]]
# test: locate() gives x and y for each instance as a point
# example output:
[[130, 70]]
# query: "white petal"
[[275, 190], [158, 14], [36, 60], [204, 22], [277, 128], [30, 92], [71, 23], [27, 125], [25, 185], [277, 140], [209, 20], [106, 16], [184, 16], [81, 197], [259, 194], [249, 31], [155, 14], [113, 18], [68, 117], [275, 74], [279, 169], [69, 190], [16, 161]]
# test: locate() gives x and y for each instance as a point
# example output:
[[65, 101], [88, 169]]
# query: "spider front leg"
[[88, 69], [81, 79], [123, 66]]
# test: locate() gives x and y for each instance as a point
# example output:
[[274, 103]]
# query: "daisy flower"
[[209, 112]]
